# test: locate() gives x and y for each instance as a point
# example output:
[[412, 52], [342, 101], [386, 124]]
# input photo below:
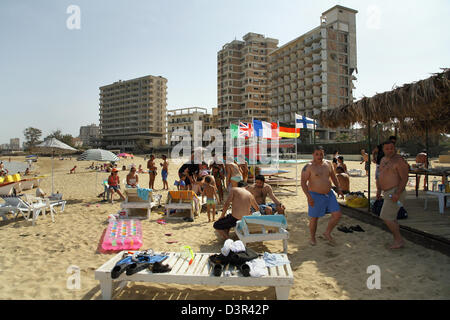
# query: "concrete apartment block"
[[133, 112], [243, 88], [314, 72], [89, 133], [183, 118]]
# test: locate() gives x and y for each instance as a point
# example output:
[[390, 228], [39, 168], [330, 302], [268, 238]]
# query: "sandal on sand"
[[357, 228], [345, 229]]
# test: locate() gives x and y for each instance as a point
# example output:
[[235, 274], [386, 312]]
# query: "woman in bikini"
[[132, 178], [234, 174]]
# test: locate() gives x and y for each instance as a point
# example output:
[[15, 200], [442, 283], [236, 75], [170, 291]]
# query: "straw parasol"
[[419, 107]]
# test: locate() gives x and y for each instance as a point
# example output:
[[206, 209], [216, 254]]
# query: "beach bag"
[[378, 204], [239, 258]]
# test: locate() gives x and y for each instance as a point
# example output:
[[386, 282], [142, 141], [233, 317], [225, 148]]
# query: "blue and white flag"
[[303, 122]]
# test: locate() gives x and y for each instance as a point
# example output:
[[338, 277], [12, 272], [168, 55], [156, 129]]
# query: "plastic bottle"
[[399, 203]]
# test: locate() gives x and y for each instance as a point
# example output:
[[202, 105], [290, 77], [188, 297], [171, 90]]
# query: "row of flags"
[[271, 130]]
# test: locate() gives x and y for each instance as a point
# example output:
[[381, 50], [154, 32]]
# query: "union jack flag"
[[245, 130]]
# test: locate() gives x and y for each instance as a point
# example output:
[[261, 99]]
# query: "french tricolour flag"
[[265, 129], [303, 122]]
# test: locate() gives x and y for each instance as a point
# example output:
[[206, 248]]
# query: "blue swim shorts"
[[164, 174], [323, 204], [262, 208]]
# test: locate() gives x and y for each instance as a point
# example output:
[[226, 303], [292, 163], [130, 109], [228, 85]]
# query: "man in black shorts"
[[241, 201]]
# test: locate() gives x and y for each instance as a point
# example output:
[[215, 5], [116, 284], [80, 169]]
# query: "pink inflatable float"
[[123, 235]]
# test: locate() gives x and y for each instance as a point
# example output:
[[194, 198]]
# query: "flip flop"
[[168, 234], [173, 241], [344, 229], [357, 228]]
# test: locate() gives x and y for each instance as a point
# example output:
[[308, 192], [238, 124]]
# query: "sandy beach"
[[34, 259]]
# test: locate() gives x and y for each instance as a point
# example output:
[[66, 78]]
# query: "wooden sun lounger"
[[258, 230], [135, 206], [199, 272], [183, 200]]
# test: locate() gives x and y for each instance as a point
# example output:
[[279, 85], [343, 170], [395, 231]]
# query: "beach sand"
[[34, 260]]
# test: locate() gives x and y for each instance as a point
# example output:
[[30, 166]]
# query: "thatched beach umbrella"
[[419, 108]]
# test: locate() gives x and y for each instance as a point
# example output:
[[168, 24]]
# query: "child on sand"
[[165, 172], [181, 184], [210, 191], [197, 186], [73, 169]]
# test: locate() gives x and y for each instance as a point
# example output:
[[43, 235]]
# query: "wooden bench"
[[200, 272]]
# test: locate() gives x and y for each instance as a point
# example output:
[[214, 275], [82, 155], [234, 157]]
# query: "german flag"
[[288, 130]]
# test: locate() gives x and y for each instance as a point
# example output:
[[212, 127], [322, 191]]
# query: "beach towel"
[[279, 218], [143, 193], [273, 260]]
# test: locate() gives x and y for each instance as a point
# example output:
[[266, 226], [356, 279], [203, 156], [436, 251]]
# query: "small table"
[[442, 197], [426, 173]]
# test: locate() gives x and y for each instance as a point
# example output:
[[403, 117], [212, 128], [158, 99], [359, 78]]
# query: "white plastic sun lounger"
[[199, 272]]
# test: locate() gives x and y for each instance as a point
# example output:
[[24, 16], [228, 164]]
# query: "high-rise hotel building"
[[133, 112], [243, 90], [314, 72]]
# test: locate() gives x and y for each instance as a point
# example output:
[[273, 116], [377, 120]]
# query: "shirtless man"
[[217, 170], [422, 162], [261, 190], [151, 172], [234, 174], [316, 185], [392, 181], [241, 201], [344, 180]]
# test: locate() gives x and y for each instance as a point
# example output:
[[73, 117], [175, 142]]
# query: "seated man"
[[40, 193], [344, 180], [422, 162], [261, 190], [241, 201]]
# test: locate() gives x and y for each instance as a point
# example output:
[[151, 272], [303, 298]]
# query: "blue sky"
[[50, 75]]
